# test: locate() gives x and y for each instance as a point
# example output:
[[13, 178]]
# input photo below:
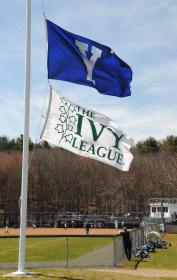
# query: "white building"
[[163, 208]]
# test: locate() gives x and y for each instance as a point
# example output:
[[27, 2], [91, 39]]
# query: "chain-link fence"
[[138, 238], [79, 251], [57, 219]]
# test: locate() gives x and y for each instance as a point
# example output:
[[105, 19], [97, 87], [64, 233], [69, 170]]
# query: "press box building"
[[165, 208]]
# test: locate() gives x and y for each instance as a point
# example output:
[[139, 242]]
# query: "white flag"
[[86, 133]]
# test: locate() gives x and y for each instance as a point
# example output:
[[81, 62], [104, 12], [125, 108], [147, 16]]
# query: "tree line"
[[16, 144], [150, 145], [62, 181]]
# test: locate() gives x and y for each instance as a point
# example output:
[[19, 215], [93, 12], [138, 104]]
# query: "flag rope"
[[39, 125], [42, 7]]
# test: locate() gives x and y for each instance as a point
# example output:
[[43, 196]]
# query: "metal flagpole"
[[24, 181]]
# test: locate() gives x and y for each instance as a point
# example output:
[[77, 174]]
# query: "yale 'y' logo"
[[89, 63]]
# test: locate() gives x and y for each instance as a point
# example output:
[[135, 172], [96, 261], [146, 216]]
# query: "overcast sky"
[[142, 32]]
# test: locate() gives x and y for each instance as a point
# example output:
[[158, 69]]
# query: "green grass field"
[[50, 249], [81, 274]]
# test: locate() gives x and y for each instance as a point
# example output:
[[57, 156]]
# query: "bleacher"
[[74, 219]]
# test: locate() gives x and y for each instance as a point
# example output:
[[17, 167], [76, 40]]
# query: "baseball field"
[[49, 244], [60, 231], [162, 266]]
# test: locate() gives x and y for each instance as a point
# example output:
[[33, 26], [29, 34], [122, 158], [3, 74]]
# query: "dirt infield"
[[59, 231], [151, 273]]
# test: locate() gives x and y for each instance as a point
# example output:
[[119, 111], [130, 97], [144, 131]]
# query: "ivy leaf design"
[[72, 119], [66, 120], [72, 108], [59, 128], [70, 127], [62, 118], [62, 109], [69, 138]]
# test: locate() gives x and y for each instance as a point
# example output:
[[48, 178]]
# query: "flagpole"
[[25, 158]]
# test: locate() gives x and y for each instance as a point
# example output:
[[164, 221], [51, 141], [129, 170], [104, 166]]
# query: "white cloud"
[[149, 121]]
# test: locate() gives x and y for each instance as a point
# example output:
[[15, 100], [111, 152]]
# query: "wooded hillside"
[[62, 181]]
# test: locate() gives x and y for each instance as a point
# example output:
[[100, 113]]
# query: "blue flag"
[[82, 61]]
